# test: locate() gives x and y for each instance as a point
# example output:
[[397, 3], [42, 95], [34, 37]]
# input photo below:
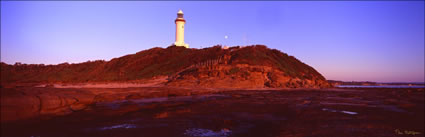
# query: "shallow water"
[[341, 111], [199, 132], [119, 126]]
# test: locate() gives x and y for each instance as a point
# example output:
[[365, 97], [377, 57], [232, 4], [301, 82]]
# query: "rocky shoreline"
[[30, 111], [28, 102]]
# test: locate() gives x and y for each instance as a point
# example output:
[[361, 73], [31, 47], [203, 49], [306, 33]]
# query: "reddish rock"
[[242, 76], [78, 106], [19, 107]]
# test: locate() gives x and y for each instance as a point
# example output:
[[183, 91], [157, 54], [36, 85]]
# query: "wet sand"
[[222, 113]]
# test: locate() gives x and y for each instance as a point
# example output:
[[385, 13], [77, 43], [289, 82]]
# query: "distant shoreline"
[[337, 83], [379, 86]]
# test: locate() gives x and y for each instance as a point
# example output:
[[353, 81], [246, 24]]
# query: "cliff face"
[[250, 67], [242, 76], [237, 67]]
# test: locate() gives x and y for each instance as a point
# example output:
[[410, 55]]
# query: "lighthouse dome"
[[180, 12]]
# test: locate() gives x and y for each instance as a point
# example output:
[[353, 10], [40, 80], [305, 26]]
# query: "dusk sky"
[[379, 41]]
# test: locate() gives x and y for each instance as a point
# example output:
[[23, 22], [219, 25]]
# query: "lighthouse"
[[180, 30]]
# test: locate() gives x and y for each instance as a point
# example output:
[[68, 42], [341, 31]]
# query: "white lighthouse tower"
[[180, 30]]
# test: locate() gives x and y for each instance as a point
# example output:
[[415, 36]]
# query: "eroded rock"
[[19, 107], [243, 76]]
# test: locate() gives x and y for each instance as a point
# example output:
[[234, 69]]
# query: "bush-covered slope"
[[156, 62], [143, 64]]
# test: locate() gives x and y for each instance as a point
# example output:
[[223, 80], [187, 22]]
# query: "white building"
[[180, 30]]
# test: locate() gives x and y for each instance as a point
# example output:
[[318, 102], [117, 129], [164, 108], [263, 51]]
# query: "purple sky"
[[344, 40]]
